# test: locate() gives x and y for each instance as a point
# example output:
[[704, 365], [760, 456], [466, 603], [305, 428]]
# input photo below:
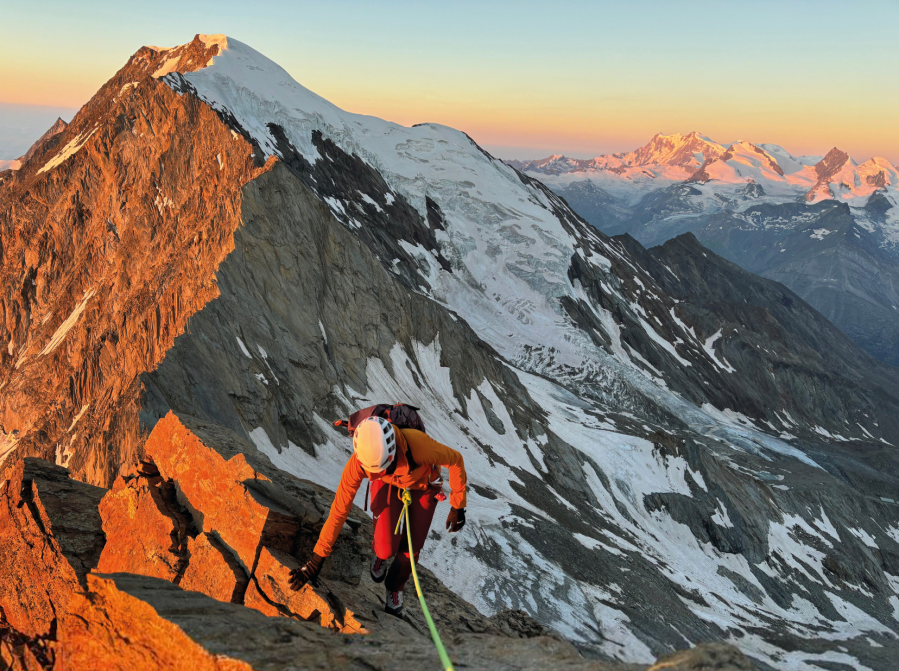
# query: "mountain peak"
[[58, 127], [189, 57], [832, 163], [687, 151]]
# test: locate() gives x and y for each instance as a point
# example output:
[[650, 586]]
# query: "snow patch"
[[720, 517], [70, 321], [78, 416], [722, 363], [820, 233], [68, 151], [243, 348]]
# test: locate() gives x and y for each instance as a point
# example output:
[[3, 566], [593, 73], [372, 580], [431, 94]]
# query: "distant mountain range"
[[826, 226]]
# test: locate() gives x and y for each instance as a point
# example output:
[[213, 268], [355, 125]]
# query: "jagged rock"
[[213, 570], [141, 537], [272, 578], [227, 497], [50, 537], [127, 622], [518, 623], [705, 657], [107, 628]]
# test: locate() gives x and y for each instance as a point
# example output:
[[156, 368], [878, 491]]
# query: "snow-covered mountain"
[[748, 199], [662, 448], [664, 160], [696, 158]]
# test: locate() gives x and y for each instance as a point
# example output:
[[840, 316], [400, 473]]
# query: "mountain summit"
[[211, 264]]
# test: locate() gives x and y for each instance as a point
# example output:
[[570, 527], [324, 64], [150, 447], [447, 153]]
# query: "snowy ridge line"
[[502, 212]]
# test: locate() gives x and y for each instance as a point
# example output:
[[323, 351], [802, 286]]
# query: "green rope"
[[406, 498]]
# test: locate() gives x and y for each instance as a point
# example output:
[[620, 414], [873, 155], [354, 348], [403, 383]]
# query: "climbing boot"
[[394, 604], [378, 569]]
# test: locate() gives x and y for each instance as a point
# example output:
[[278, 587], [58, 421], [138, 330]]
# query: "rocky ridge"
[[115, 602]]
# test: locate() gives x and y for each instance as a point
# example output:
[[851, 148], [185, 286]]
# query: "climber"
[[384, 453]]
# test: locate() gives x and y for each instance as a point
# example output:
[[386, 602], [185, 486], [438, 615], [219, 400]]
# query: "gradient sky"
[[525, 79]]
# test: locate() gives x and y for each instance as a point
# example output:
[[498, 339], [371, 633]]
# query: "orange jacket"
[[426, 452]]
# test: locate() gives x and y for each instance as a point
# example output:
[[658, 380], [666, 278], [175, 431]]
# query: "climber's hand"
[[308, 572], [455, 520]]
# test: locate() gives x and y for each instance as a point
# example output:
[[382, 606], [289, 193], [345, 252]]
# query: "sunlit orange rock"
[[137, 266], [107, 628], [308, 603], [257, 601], [139, 532], [212, 571], [50, 537], [225, 496]]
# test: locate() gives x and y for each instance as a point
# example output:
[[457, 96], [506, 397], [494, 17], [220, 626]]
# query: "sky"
[[524, 79]]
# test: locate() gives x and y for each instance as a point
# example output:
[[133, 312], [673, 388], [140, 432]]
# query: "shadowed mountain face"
[[662, 448]]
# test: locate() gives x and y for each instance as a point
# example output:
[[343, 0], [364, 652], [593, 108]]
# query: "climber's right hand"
[[308, 572]]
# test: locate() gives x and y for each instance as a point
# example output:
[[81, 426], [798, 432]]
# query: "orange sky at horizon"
[[526, 84]]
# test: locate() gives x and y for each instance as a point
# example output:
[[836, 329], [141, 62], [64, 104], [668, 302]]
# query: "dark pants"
[[386, 508]]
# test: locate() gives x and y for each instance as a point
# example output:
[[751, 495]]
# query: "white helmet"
[[374, 443]]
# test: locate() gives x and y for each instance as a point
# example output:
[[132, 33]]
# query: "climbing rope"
[[406, 498]]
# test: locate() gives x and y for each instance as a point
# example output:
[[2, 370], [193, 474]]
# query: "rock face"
[[140, 265], [228, 498], [142, 537], [632, 488], [52, 535], [213, 570], [776, 344]]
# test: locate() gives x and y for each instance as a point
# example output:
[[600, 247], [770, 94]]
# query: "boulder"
[[213, 570], [141, 536], [228, 497], [50, 537]]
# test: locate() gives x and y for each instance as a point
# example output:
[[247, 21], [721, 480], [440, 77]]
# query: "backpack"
[[402, 416]]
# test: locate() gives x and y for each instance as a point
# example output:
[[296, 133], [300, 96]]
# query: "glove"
[[308, 572], [455, 520]]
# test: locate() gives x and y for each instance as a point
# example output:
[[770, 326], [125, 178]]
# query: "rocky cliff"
[[211, 246]]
